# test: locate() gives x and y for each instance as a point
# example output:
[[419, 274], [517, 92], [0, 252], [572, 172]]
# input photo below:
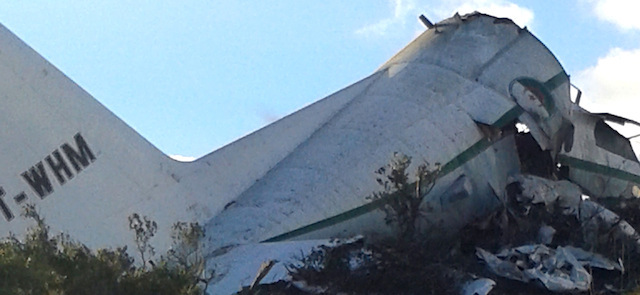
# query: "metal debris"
[[592, 216], [558, 270], [481, 286]]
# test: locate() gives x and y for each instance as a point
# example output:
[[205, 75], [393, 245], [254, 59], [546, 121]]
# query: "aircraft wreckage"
[[453, 96]]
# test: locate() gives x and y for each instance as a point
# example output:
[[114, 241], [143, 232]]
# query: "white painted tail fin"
[[82, 167]]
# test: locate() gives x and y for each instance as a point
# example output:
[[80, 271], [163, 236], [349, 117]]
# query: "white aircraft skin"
[[452, 96]]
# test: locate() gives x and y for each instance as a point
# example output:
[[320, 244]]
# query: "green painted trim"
[[465, 156], [461, 159], [449, 167], [548, 102], [556, 81], [508, 117], [353, 213], [597, 168]]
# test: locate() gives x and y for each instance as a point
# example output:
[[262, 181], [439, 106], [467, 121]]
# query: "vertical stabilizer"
[[83, 168]]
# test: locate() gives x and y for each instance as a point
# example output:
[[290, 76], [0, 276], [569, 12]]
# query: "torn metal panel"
[[540, 190], [481, 286], [592, 216], [558, 270], [600, 160], [239, 265]]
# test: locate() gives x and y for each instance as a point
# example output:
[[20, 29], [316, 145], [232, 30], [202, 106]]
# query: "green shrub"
[[45, 264]]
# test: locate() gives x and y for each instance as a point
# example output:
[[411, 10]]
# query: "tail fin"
[[61, 150]]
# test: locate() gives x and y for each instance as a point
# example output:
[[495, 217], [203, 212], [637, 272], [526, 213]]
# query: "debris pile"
[[547, 238], [564, 241], [559, 270]]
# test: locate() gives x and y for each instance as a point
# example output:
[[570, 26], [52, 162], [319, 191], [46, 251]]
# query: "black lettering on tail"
[[82, 156], [3, 207], [37, 178], [58, 166]]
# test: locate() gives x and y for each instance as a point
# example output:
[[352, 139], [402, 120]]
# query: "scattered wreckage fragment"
[[480, 286], [562, 269], [555, 263], [569, 198], [558, 270], [265, 263], [599, 159]]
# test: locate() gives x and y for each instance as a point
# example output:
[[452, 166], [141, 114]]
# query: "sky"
[[193, 76]]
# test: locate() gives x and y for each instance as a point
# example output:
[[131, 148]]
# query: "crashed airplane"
[[453, 96]]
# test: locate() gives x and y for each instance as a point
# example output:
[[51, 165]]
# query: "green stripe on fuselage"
[[598, 168], [461, 159]]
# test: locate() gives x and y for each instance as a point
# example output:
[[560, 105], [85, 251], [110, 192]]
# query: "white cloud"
[[407, 12], [622, 13], [181, 158], [402, 10], [612, 85]]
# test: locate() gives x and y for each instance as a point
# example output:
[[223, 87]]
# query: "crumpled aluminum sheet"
[[480, 286], [569, 197], [558, 270]]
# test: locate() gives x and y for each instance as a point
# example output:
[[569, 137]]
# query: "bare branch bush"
[[145, 229], [187, 253], [402, 198]]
